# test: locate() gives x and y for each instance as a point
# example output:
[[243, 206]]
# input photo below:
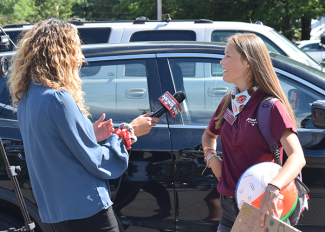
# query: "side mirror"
[[318, 113], [4, 42], [322, 39], [4, 66]]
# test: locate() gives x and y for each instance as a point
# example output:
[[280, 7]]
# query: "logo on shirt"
[[251, 121]]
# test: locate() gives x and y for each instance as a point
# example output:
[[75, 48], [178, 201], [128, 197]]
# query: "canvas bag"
[[264, 125]]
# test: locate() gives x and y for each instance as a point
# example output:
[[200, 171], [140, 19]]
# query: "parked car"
[[314, 48], [163, 188], [143, 29]]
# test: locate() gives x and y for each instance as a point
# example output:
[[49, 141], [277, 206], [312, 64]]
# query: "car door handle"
[[190, 153], [217, 91], [135, 93]]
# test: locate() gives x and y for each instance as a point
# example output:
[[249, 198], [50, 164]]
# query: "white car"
[[205, 30], [313, 48]]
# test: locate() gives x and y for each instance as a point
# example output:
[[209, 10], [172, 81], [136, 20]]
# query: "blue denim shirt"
[[68, 169]]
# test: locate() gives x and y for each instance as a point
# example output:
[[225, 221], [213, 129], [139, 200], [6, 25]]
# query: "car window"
[[14, 36], [163, 35], [298, 51], [221, 36], [204, 90], [310, 46], [94, 35], [301, 99], [117, 88]]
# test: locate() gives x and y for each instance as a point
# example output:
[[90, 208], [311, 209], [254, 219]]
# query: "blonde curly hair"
[[48, 54]]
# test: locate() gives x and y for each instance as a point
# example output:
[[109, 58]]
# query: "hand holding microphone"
[[170, 104], [142, 124]]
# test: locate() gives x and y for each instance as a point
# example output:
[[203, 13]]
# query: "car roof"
[[305, 42], [200, 22], [129, 48], [137, 48]]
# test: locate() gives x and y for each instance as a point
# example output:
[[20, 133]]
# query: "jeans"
[[229, 212]]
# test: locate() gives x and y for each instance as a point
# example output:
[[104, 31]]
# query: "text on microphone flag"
[[170, 103]]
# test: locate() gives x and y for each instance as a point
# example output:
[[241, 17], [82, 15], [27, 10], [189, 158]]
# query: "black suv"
[[164, 188]]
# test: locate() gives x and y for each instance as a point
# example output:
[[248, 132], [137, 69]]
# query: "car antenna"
[[8, 37]]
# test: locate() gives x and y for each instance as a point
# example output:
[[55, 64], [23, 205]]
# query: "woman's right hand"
[[142, 124]]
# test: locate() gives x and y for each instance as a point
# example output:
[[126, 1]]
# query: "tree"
[[97, 10], [15, 11], [23, 11]]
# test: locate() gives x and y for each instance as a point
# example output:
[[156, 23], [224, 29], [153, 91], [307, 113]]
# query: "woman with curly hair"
[[68, 169], [248, 66]]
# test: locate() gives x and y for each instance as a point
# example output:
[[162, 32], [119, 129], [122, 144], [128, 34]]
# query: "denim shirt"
[[68, 169]]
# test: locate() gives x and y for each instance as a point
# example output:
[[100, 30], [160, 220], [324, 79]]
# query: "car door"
[[125, 87], [197, 200]]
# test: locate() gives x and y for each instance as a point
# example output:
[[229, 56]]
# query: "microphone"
[[170, 103]]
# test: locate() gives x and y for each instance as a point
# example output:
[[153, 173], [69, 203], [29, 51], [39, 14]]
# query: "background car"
[[205, 30], [163, 188], [313, 48]]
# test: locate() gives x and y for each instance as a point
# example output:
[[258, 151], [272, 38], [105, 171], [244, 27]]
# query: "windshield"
[[299, 53], [298, 64]]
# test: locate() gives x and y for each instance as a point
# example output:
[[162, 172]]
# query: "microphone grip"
[[159, 112]]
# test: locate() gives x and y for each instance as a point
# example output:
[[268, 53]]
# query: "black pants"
[[104, 221]]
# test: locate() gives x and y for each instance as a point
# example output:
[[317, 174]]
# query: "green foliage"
[[24, 11], [15, 11]]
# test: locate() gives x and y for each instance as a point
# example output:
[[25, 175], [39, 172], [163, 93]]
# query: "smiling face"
[[236, 68]]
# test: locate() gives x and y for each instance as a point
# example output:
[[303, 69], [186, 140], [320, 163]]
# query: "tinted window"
[[311, 46], [113, 89], [94, 35], [301, 98], [204, 90], [221, 36], [164, 35], [14, 36]]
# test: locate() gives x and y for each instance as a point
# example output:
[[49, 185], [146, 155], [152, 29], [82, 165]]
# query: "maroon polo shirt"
[[242, 144]]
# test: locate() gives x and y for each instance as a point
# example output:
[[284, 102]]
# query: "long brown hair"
[[252, 48], [48, 55]]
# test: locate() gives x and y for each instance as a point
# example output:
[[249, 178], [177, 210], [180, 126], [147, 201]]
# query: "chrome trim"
[[158, 125], [316, 130], [8, 107], [205, 55], [104, 58], [302, 81]]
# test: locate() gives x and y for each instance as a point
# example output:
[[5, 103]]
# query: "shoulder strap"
[[264, 125]]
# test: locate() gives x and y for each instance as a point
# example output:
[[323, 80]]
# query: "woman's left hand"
[[268, 204], [103, 130]]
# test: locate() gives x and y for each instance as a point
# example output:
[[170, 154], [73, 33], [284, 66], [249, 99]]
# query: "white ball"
[[252, 183]]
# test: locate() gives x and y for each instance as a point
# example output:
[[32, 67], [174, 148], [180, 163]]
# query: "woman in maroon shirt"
[[248, 66]]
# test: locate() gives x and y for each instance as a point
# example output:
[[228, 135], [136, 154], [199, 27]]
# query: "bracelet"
[[125, 136], [206, 149], [274, 186], [130, 129], [210, 157], [278, 195]]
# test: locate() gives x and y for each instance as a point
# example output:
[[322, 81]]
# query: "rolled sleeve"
[[108, 161]]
